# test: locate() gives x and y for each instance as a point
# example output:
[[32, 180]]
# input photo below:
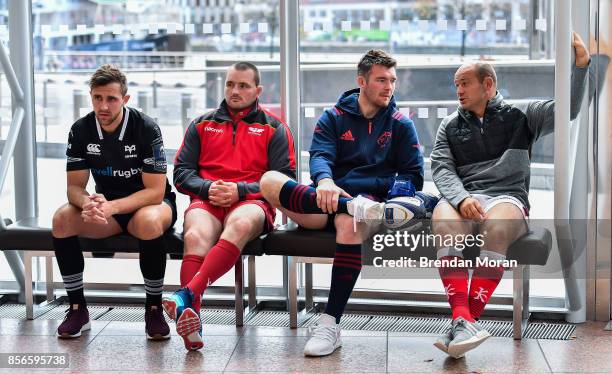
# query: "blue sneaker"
[[178, 306], [175, 304]]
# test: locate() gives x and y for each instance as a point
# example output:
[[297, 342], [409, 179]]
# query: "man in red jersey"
[[219, 165]]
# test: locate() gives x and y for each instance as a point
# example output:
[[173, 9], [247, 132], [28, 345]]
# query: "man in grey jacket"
[[481, 165]]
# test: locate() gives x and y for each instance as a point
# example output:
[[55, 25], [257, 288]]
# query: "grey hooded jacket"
[[493, 158]]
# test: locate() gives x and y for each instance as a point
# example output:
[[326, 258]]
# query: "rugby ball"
[[401, 210]]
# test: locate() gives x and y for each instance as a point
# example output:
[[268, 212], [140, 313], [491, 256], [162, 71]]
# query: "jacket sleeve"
[[323, 148], [444, 171], [187, 179], [281, 157], [541, 113], [410, 165]]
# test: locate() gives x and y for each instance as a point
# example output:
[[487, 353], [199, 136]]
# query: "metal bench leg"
[[49, 278], [526, 313], [29, 292], [252, 283], [520, 300], [239, 291], [292, 292], [309, 290]]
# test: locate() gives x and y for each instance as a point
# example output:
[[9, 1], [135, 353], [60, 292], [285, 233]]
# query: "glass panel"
[[174, 55], [430, 39]]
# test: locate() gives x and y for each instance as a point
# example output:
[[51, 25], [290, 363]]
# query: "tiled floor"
[[122, 347]]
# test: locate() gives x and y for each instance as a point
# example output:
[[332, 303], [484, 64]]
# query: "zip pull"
[[482, 130], [369, 127]]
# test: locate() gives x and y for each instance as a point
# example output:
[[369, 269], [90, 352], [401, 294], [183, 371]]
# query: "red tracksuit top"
[[234, 148]]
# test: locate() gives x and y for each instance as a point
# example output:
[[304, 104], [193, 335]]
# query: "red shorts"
[[220, 213]]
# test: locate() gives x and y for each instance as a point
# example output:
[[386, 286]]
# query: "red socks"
[[484, 281], [455, 281], [217, 262], [189, 267]]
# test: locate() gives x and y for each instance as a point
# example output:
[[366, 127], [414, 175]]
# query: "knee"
[[240, 227], [147, 226], [63, 223], [496, 235], [196, 242], [345, 232], [449, 227], [270, 185]]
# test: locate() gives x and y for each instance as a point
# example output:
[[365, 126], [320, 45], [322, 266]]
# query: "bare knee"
[[196, 242], [242, 227], [450, 227], [146, 226], [271, 184], [498, 235], [345, 232], [65, 222]]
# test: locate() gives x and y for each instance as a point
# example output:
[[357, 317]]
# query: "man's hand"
[[223, 194], [470, 208], [328, 194], [98, 210], [582, 53]]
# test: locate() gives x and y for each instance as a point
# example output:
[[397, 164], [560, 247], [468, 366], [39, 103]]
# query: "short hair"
[[107, 74], [243, 65], [374, 57], [483, 70]]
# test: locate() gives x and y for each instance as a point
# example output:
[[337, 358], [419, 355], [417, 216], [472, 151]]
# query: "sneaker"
[[156, 327], [325, 337], [179, 307], [467, 336], [363, 209], [75, 322], [189, 327], [177, 302], [443, 341]]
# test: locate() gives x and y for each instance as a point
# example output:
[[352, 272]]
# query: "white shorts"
[[489, 202]]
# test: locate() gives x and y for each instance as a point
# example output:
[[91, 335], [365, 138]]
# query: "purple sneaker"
[[75, 322], [155, 323]]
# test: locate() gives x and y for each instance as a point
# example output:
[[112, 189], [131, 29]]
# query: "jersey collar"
[[126, 116]]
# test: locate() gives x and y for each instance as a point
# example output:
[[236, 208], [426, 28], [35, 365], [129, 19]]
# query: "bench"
[[310, 247], [33, 236], [299, 245]]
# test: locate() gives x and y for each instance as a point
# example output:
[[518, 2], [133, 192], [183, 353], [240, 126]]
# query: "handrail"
[[428, 64], [16, 121], [11, 77]]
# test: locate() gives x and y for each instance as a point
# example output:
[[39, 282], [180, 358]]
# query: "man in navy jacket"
[[360, 148]]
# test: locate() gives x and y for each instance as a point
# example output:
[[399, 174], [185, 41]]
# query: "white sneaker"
[[363, 209], [325, 337]]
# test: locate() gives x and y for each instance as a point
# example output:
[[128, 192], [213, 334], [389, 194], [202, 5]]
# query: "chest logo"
[[348, 136], [384, 139], [129, 149], [255, 131], [212, 129], [93, 149]]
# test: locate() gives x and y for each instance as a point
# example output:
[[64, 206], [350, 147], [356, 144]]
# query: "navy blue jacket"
[[365, 156]]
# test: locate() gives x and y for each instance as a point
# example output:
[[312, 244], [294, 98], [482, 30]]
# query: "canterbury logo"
[[348, 136], [93, 148], [208, 128]]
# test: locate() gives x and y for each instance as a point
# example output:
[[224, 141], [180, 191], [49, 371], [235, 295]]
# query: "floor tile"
[[496, 355], [120, 328], [121, 353], [285, 354]]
